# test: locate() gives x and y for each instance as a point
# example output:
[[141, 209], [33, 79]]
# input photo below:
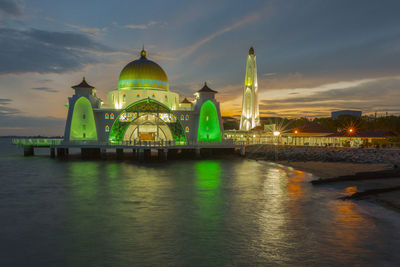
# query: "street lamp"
[[276, 134]]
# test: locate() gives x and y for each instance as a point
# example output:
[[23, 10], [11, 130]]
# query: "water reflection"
[[294, 187], [208, 224], [209, 213], [349, 230]]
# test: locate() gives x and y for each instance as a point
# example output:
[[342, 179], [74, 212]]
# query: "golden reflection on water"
[[294, 187], [346, 226], [348, 191]]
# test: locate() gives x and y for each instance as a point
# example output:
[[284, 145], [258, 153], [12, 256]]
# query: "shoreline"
[[383, 190], [326, 170]]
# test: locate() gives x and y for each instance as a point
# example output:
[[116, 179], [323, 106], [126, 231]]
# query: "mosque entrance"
[[147, 120], [148, 127]]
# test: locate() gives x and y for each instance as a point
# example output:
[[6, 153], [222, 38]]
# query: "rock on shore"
[[329, 154]]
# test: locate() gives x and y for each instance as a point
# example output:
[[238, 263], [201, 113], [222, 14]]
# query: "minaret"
[[250, 114]]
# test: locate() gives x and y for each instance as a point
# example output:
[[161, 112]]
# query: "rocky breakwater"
[[328, 154]]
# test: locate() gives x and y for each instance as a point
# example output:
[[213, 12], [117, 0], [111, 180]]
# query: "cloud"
[[44, 80], [5, 110], [5, 101], [269, 74], [370, 96], [12, 124], [247, 19], [45, 89], [12, 8], [90, 30], [42, 51], [13, 121], [139, 26]]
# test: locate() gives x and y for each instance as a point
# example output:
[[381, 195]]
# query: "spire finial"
[[83, 78], [205, 83], [251, 51], [143, 52]]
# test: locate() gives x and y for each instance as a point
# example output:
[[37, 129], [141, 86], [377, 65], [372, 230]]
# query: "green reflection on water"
[[84, 178], [113, 170], [208, 225], [208, 175]]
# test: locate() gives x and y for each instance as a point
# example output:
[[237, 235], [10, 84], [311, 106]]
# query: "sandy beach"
[[334, 169]]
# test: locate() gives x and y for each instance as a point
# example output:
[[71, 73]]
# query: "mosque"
[[143, 108]]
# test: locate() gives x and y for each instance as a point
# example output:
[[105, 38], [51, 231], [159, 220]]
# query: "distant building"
[[355, 113]]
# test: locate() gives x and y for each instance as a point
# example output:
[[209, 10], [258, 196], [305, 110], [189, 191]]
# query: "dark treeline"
[[340, 124], [365, 123]]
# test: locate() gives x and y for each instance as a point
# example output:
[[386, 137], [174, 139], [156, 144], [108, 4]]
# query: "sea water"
[[215, 212]]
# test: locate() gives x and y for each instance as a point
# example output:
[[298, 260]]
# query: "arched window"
[[187, 117], [137, 95], [124, 98], [182, 117], [83, 116], [106, 116], [153, 95], [112, 116], [107, 128], [187, 129]]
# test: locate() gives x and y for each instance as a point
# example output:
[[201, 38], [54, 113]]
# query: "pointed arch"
[[157, 114], [83, 125], [209, 129]]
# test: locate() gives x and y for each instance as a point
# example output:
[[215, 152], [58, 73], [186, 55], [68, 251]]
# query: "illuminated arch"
[[83, 126], [209, 129], [156, 113]]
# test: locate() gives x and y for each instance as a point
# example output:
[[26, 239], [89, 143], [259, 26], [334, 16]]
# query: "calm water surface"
[[209, 212]]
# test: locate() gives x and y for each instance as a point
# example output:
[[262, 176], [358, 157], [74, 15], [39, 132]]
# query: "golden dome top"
[[143, 74]]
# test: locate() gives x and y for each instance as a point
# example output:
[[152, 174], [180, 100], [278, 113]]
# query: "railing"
[[37, 142], [47, 142], [147, 144]]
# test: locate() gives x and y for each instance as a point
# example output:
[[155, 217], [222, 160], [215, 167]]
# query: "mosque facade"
[[143, 108]]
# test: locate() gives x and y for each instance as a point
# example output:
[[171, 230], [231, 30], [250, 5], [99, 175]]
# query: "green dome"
[[143, 74]]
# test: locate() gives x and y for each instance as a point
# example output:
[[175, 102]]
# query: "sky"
[[313, 56]]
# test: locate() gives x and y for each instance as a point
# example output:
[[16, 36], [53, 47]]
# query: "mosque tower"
[[250, 114]]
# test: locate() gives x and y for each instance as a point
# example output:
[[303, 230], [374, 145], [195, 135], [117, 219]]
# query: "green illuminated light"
[[83, 126], [208, 123], [153, 110]]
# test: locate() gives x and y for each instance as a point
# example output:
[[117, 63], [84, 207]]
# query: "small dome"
[[143, 74]]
